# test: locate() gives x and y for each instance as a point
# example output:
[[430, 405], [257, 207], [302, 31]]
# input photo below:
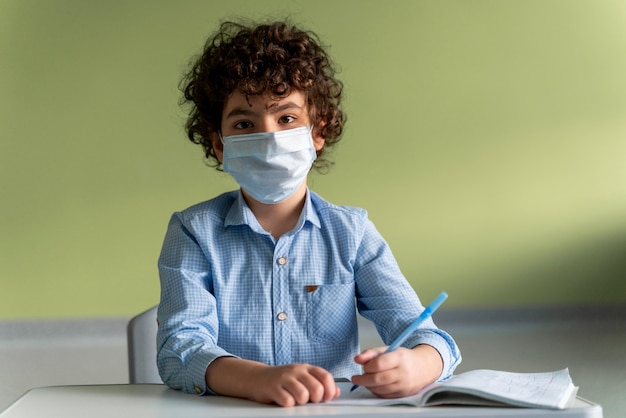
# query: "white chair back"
[[141, 334]]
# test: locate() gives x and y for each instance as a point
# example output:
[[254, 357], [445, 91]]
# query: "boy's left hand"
[[400, 373]]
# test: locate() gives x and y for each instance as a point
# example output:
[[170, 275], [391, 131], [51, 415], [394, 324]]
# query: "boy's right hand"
[[287, 385], [295, 384]]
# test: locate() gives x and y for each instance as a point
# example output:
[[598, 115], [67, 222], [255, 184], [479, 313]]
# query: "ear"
[[318, 140], [218, 147]]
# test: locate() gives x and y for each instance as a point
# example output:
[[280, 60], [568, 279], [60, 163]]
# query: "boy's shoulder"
[[217, 206], [325, 208]]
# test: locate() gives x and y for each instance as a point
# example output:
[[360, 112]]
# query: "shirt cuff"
[[196, 372]]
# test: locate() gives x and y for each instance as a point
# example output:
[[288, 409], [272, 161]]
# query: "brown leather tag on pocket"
[[311, 288]]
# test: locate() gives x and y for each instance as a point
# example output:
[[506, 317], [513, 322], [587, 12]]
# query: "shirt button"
[[198, 389], [282, 261], [282, 316]]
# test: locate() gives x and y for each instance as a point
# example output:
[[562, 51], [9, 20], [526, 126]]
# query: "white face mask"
[[270, 166]]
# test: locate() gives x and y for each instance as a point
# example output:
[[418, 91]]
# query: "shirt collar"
[[240, 213], [309, 213]]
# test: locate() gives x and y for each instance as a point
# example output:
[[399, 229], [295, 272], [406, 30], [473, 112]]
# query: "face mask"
[[270, 166]]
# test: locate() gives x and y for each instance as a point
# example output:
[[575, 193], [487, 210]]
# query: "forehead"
[[238, 102]]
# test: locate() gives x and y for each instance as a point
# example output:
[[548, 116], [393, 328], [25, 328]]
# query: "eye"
[[287, 119], [244, 124]]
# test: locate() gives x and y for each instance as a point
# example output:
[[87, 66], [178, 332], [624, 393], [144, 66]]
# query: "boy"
[[258, 285]]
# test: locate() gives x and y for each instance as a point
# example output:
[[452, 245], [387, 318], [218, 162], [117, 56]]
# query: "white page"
[[552, 389]]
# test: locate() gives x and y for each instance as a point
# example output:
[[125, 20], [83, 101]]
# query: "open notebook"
[[552, 390]]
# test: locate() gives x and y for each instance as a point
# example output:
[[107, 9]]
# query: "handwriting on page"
[[536, 386]]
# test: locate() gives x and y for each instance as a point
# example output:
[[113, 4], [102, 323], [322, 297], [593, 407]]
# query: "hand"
[[295, 384], [400, 373], [288, 385]]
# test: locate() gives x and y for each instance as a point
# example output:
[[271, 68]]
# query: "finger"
[[385, 390], [370, 380], [387, 386], [283, 398], [314, 387], [389, 394], [328, 387], [383, 362], [369, 354], [337, 392], [377, 376], [298, 391]]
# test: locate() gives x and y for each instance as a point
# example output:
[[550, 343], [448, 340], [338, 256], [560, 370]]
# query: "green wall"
[[487, 139]]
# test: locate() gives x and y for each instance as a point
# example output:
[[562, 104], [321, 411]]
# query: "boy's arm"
[[187, 313], [288, 385], [386, 298]]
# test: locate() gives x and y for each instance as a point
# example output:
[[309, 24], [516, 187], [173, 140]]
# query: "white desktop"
[[158, 401]]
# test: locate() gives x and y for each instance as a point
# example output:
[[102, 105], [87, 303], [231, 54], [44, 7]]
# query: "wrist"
[[432, 360], [232, 376]]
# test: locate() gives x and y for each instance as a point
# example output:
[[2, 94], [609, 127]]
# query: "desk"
[[158, 401]]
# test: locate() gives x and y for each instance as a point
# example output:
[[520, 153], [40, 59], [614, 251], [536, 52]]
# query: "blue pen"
[[414, 325]]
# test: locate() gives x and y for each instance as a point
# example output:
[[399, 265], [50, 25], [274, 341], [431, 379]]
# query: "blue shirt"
[[229, 288]]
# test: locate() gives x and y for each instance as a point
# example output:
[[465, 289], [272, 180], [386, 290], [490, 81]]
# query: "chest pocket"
[[331, 312]]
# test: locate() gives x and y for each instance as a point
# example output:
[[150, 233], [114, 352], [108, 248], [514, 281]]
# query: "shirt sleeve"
[[385, 297], [187, 316]]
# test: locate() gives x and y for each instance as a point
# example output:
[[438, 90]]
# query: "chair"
[[141, 334]]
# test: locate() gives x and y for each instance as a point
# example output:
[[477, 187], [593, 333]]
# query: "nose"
[[266, 125]]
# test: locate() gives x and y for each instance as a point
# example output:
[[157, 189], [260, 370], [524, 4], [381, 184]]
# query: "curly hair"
[[269, 59]]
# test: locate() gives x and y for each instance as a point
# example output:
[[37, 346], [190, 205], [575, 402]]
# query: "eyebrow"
[[239, 111], [274, 108]]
